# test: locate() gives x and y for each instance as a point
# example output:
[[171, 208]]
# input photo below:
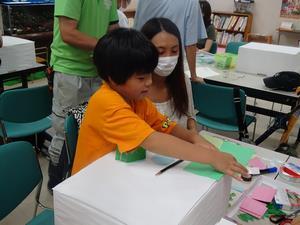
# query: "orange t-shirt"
[[110, 121]]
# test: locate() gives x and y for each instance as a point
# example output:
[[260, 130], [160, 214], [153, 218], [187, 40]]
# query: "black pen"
[[169, 166]]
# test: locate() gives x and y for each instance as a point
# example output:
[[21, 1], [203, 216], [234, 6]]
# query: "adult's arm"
[[71, 35], [208, 44], [191, 59]]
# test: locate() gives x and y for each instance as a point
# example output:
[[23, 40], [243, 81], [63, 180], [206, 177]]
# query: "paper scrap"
[[203, 72], [263, 193], [257, 162], [253, 207]]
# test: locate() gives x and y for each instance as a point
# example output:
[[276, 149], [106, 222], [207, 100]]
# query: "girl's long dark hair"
[[175, 81], [206, 11]]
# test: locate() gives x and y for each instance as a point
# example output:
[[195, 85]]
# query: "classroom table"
[[111, 192], [272, 158], [285, 31], [20, 71], [253, 86]]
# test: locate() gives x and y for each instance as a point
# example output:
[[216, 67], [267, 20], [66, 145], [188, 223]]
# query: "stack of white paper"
[[16, 53]]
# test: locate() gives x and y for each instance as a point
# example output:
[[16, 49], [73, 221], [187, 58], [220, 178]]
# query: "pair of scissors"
[[284, 219]]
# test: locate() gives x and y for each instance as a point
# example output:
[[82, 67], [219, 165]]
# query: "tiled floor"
[[25, 211]]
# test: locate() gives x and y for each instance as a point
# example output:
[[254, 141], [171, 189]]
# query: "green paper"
[[217, 142], [241, 153]]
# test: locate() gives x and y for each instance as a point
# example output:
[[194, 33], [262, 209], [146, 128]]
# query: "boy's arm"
[[172, 146]]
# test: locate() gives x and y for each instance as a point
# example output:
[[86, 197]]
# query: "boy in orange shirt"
[[120, 115]]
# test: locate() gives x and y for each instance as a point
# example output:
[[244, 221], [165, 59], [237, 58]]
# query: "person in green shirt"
[[78, 24], [205, 44]]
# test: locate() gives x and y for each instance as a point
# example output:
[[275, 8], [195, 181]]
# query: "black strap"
[[243, 133]]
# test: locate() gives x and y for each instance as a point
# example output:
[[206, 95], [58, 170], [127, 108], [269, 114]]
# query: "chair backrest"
[[25, 105], [259, 38], [216, 102], [71, 136], [214, 48], [233, 47], [20, 173]]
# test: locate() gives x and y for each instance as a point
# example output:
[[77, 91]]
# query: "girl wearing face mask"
[[171, 89]]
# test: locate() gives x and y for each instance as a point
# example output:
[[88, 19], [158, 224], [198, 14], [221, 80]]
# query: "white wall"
[[266, 18]]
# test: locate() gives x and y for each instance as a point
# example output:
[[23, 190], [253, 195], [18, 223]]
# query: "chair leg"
[[255, 103], [254, 129], [37, 197], [4, 138], [36, 143], [270, 119]]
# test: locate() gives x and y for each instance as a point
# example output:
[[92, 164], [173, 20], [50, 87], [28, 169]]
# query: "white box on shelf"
[[16, 52], [260, 58]]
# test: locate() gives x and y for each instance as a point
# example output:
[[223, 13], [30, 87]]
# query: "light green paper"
[[217, 142], [241, 153]]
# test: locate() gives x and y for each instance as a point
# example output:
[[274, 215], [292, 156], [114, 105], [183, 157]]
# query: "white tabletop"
[[113, 192], [231, 77]]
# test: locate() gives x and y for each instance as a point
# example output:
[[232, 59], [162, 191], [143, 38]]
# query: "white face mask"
[[166, 65]]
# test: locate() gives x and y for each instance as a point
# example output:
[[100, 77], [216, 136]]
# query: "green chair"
[[71, 135], [233, 47], [214, 48], [216, 107], [20, 174], [25, 112]]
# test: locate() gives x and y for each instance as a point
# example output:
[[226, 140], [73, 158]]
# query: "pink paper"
[[256, 162], [253, 207], [263, 193]]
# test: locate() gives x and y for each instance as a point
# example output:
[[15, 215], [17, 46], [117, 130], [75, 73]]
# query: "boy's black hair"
[[123, 52], [176, 80]]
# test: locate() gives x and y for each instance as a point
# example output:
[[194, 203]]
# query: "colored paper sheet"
[[263, 193], [217, 142], [257, 162], [241, 153], [253, 207]]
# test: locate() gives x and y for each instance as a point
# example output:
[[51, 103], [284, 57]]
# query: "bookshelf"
[[231, 26]]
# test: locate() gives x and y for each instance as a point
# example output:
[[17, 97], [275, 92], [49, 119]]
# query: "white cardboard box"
[[16, 52], [268, 59]]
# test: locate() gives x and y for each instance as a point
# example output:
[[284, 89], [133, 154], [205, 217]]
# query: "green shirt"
[[211, 35], [94, 17]]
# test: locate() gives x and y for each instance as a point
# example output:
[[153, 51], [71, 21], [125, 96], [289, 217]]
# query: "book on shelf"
[[223, 37], [243, 26]]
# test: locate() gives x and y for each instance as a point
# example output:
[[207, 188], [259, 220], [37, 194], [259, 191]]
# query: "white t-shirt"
[[123, 21], [167, 108]]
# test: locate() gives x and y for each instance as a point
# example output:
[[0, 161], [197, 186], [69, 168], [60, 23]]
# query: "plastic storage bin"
[[30, 18]]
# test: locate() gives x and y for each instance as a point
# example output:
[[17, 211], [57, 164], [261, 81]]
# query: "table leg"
[[278, 39], [24, 81], [1, 86]]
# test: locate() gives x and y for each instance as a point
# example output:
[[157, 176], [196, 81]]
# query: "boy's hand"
[[227, 164]]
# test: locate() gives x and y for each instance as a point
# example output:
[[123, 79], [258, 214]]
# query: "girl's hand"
[[227, 164]]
